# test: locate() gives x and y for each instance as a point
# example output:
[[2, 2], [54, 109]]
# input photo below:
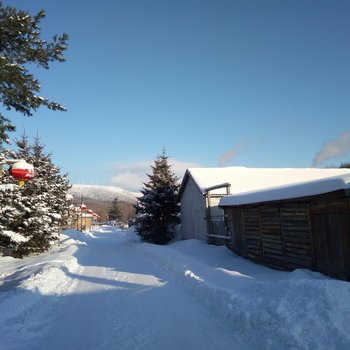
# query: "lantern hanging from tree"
[[83, 207], [22, 171]]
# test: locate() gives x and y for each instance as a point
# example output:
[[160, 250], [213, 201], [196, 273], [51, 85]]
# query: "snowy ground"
[[107, 290]]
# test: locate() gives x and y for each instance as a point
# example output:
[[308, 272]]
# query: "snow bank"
[[26, 284], [270, 309]]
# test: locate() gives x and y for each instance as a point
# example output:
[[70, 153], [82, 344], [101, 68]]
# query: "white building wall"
[[193, 212]]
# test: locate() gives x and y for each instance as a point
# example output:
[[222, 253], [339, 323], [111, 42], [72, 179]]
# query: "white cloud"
[[333, 149], [131, 176]]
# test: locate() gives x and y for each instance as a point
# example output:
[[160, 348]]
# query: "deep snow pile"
[[25, 285], [266, 309], [270, 309]]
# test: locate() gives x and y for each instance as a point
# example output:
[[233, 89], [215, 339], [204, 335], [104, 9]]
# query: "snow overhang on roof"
[[293, 191]]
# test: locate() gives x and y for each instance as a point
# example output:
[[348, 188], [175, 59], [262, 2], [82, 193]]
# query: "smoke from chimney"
[[231, 154], [333, 149]]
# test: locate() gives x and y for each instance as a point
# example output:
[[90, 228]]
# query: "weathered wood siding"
[[312, 232], [330, 222], [296, 233], [278, 235], [252, 235]]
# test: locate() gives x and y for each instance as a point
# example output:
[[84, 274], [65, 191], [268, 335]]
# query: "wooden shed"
[[306, 225]]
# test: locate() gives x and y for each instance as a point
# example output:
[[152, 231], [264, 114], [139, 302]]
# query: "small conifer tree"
[[158, 209], [114, 212]]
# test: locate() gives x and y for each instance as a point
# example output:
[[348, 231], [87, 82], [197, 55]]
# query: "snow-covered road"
[[108, 290], [119, 298], [123, 300]]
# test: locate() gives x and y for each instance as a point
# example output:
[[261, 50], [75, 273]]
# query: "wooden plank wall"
[[271, 235], [277, 235], [330, 221], [313, 233], [252, 245], [297, 238]]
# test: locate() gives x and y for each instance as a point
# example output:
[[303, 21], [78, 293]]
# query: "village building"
[[202, 188], [83, 222], [281, 217]]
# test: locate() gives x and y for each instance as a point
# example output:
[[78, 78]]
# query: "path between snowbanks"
[[111, 284], [32, 286]]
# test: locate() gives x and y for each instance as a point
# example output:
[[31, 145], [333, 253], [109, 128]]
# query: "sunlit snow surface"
[[108, 290]]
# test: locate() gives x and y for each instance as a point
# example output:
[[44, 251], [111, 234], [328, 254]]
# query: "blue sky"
[[217, 83]]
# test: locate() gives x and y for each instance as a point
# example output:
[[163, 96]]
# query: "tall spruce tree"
[[35, 213], [20, 46], [158, 210]]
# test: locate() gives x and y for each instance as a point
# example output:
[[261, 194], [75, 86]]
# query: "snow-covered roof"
[[289, 191], [83, 215], [245, 180]]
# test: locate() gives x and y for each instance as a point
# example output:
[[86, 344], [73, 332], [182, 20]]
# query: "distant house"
[[202, 188], [299, 225], [83, 222]]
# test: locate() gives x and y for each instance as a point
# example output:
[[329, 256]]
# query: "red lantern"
[[22, 171], [83, 207], [90, 211]]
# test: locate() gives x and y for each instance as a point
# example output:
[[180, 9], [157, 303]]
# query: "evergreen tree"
[[114, 212], [10, 215], [36, 212], [158, 210], [21, 45], [345, 165]]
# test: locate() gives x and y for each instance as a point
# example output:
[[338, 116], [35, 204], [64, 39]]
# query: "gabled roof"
[[244, 180]]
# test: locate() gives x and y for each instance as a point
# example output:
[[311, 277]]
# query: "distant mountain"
[[102, 193]]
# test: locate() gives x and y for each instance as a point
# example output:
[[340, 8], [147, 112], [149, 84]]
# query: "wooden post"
[[209, 213]]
